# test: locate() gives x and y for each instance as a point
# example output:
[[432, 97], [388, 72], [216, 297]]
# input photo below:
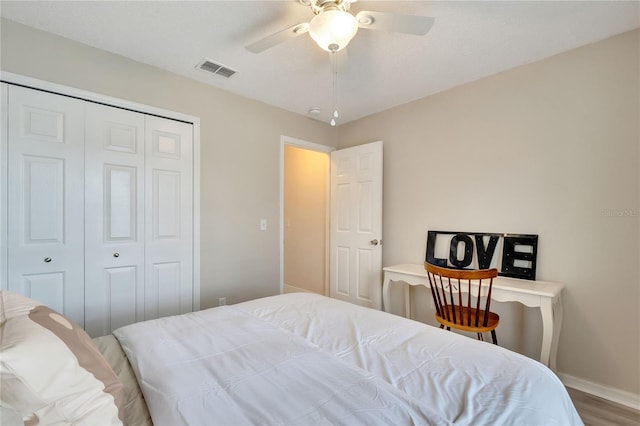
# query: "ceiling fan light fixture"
[[333, 29]]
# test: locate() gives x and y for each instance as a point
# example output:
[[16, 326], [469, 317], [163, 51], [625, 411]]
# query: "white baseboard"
[[293, 289], [628, 399]]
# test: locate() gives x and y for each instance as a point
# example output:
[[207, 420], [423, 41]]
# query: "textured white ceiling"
[[469, 40]]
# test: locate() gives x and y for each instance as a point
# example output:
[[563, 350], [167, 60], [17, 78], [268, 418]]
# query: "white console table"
[[539, 294]]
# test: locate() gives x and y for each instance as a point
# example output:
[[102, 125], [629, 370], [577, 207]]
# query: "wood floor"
[[596, 411]]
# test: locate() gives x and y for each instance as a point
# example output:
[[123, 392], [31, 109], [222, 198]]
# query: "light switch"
[[263, 224]]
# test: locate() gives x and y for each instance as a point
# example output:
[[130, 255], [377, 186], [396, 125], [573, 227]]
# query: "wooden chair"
[[452, 291]]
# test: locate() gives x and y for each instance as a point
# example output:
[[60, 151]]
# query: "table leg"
[[385, 293], [407, 301], [557, 323], [546, 309]]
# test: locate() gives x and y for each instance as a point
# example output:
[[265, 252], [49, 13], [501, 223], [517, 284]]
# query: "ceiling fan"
[[333, 27]]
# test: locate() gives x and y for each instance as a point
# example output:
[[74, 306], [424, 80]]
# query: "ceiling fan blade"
[[408, 24], [277, 38]]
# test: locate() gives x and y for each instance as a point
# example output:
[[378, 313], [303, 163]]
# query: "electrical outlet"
[[222, 301], [263, 224]]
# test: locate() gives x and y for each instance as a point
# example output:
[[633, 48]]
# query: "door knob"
[[116, 254], [47, 259], [374, 242]]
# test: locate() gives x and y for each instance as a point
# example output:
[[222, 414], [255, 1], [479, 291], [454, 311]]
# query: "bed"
[[307, 359]]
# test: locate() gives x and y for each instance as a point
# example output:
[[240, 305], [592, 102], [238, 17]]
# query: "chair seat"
[[464, 314]]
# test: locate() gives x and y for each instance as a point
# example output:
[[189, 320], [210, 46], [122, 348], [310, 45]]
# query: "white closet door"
[[45, 199], [168, 217], [114, 194]]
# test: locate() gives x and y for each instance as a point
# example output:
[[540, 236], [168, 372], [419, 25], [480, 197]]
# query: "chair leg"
[[494, 337], [441, 325], [480, 337], [448, 328]]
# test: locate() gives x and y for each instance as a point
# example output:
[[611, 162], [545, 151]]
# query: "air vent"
[[218, 69]]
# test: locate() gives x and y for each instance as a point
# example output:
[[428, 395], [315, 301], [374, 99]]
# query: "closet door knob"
[[47, 259], [116, 254]]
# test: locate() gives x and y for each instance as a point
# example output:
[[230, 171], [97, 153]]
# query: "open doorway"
[[304, 212]]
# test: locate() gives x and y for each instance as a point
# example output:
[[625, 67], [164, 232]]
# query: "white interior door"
[[114, 195], [45, 175], [356, 225], [168, 217]]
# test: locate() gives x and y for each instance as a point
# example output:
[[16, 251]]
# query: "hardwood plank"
[[596, 411]]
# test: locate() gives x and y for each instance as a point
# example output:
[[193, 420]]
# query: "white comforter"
[[306, 359]]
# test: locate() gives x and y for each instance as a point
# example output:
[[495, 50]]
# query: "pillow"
[[134, 407], [50, 370]]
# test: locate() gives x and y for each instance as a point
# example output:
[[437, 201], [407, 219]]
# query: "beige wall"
[[549, 148], [305, 218], [240, 148]]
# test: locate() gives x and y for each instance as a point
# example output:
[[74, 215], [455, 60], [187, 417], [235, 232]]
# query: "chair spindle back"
[[448, 287]]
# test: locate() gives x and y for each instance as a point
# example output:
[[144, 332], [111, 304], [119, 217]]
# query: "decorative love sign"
[[477, 250]]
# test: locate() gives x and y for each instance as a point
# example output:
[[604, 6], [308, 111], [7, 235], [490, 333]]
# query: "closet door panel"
[[45, 198], [115, 230], [165, 288], [169, 217], [120, 210], [43, 191], [166, 204], [45, 286], [121, 286]]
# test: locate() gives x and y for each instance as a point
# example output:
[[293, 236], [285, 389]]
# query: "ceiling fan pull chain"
[[334, 75]]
